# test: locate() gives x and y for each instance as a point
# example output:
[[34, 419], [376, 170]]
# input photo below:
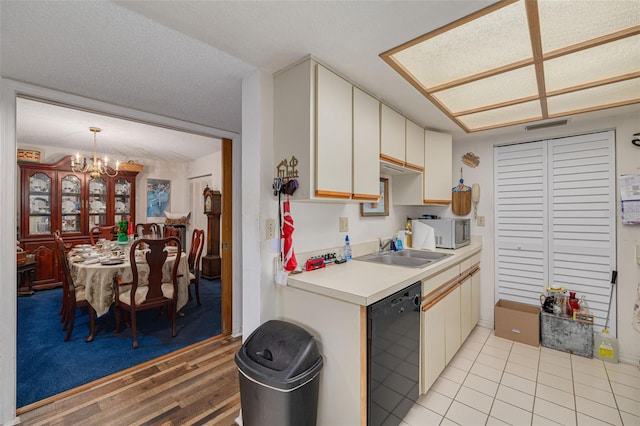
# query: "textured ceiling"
[[187, 59]]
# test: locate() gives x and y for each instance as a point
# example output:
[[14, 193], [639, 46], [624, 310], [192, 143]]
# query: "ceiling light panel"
[[568, 22], [520, 113], [609, 60], [491, 41], [481, 71], [509, 86], [616, 94]]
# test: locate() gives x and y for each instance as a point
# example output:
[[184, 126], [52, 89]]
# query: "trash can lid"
[[279, 354]]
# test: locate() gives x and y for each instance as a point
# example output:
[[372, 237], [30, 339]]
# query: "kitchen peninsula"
[[331, 303]]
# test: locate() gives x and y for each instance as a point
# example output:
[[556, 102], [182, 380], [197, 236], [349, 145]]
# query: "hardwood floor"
[[195, 386]]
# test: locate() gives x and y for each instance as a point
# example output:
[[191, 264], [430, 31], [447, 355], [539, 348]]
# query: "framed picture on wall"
[[381, 207], [158, 197]]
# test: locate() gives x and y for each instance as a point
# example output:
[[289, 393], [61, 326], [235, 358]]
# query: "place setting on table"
[[94, 268]]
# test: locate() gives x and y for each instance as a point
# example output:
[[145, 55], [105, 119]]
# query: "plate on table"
[[112, 261], [171, 249]]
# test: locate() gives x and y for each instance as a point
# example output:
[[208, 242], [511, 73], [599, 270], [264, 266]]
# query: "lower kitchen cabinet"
[[433, 351], [475, 294], [450, 310], [452, 323], [466, 323]]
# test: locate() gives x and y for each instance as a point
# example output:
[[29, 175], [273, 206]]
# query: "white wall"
[[627, 161], [317, 226]]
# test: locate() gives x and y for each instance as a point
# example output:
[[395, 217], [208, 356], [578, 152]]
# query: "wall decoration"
[[470, 159], [158, 197], [381, 207]]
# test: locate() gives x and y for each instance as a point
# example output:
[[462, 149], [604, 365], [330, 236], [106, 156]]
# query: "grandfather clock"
[[211, 264]]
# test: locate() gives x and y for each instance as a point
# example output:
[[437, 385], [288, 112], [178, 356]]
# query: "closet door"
[[582, 219], [521, 221], [555, 220]]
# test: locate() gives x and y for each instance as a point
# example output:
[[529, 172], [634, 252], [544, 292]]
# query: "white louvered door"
[[555, 220]]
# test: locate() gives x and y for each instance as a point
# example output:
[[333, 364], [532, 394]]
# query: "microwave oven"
[[450, 233]]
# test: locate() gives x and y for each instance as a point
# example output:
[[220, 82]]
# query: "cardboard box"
[[517, 321]]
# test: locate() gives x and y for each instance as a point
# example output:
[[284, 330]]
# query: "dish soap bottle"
[[347, 249]]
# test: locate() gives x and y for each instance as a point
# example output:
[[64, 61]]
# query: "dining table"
[[97, 279]]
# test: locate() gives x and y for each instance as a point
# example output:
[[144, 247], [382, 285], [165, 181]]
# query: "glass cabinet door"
[[71, 203], [97, 202], [39, 204], [122, 205]]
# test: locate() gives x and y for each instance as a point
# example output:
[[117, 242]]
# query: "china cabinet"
[[55, 197]]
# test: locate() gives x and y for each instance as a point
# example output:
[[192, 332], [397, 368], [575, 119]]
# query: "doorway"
[[225, 188]]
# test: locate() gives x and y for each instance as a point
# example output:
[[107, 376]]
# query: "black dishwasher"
[[393, 350]]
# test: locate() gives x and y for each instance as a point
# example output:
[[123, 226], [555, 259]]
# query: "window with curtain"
[[556, 220]]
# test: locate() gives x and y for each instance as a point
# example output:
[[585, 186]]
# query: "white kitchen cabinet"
[[438, 171], [466, 321], [433, 351], [313, 122], [414, 156], [334, 133], [475, 290], [366, 146], [392, 136], [452, 338]]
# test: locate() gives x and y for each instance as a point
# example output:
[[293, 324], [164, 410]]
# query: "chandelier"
[[97, 167]]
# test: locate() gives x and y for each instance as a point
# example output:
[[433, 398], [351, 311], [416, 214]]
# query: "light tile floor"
[[494, 381]]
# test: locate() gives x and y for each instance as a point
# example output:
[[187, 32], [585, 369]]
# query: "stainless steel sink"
[[431, 255], [407, 258]]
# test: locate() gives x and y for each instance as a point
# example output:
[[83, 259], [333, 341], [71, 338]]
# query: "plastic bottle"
[[407, 228], [347, 249], [398, 243]]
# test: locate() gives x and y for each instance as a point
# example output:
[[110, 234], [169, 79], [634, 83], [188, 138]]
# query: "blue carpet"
[[47, 365]]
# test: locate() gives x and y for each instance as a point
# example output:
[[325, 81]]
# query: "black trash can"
[[279, 367]]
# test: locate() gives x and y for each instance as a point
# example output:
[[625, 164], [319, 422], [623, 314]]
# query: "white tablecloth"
[[97, 280]]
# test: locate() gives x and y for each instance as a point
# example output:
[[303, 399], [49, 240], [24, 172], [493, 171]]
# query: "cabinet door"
[[334, 137], [98, 192], [392, 136], [475, 297], [71, 199], [437, 168], [433, 345], [366, 146], [465, 308], [415, 146], [452, 341], [123, 201], [37, 198]]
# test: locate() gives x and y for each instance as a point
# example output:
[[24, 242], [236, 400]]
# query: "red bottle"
[[572, 304], [129, 226]]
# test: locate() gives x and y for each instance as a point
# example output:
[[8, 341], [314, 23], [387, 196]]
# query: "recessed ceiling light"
[[522, 61]]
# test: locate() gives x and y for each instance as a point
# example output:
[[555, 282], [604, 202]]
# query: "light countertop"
[[364, 283]]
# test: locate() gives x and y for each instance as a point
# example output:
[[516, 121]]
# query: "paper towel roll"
[[423, 236]]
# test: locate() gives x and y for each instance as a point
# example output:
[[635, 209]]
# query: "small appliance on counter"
[[450, 233]]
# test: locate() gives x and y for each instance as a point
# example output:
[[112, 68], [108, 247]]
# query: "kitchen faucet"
[[389, 243]]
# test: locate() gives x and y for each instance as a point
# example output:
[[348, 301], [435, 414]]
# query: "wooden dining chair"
[[99, 232], [157, 293], [73, 298], [195, 252], [148, 230]]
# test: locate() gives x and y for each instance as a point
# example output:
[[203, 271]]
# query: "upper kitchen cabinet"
[[334, 135], [414, 146], [437, 168], [314, 122], [366, 146], [392, 136]]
